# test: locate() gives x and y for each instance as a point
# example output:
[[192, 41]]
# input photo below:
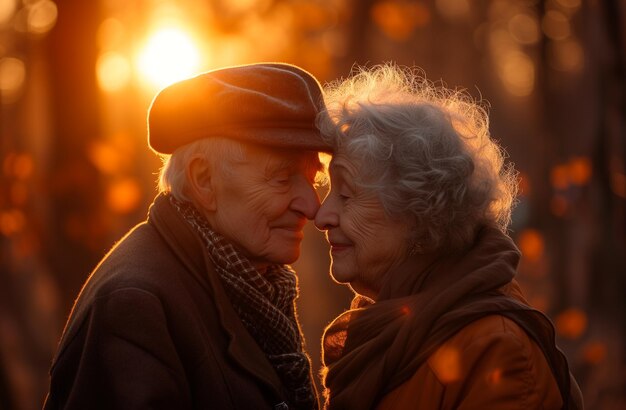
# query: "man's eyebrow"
[[285, 163]]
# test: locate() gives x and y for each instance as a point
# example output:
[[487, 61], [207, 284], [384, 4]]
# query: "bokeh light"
[[42, 16], [454, 9], [11, 222], [571, 323], [517, 72], [556, 25], [580, 170], [124, 196], [618, 184], [570, 5], [524, 28], [12, 76], [566, 55], [110, 34], [595, 352], [446, 363], [398, 19], [559, 205], [494, 377], [531, 244], [113, 71], [7, 9], [170, 55]]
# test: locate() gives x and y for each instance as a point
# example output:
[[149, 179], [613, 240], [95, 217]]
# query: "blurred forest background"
[[77, 77]]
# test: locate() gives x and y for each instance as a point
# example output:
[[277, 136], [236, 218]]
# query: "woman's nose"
[[327, 216]]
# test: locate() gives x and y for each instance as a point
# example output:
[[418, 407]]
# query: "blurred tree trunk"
[[74, 183], [358, 40], [609, 264]]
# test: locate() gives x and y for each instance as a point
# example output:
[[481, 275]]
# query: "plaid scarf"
[[266, 306]]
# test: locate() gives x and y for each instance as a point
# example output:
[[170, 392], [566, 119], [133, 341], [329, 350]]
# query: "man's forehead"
[[283, 157]]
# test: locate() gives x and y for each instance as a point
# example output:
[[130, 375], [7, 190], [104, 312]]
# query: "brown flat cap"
[[268, 103]]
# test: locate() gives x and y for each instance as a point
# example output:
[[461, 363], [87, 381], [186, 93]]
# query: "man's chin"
[[287, 258]]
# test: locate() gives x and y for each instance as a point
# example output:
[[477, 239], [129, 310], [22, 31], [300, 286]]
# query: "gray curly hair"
[[426, 151]]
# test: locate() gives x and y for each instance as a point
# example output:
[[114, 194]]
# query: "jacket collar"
[[188, 247]]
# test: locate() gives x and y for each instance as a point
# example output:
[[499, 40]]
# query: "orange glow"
[[23, 166], [494, 376], [12, 222], [531, 244], [559, 176], [571, 323], [594, 352], [405, 310], [446, 363], [580, 170], [105, 157], [398, 19], [124, 196], [311, 15], [170, 55]]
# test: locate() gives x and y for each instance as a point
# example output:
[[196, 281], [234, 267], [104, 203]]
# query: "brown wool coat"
[[489, 364], [153, 328]]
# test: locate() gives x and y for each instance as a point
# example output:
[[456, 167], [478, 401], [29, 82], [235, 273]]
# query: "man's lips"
[[339, 246], [295, 225], [293, 229]]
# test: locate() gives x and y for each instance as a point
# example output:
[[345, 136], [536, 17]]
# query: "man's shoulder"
[[139, 260]]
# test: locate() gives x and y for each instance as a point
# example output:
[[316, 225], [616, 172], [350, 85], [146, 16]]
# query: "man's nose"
[[306, 201]]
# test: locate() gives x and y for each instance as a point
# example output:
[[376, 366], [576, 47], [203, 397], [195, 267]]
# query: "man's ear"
[[200, 178]]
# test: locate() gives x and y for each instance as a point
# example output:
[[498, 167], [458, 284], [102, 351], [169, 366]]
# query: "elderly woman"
[[416, 217]]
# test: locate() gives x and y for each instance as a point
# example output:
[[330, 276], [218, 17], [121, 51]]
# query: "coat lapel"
[[189, 248]]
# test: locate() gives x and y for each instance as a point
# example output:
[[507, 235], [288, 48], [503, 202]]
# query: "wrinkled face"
[[365, 243], [263, 204]]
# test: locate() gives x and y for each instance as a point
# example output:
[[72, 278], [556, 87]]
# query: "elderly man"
[[194, 308]]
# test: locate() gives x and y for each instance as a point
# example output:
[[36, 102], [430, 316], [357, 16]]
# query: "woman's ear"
[[199, 175]]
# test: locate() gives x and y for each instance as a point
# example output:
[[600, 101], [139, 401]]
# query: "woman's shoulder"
[[489, 328], [494, 336], [492, 359]]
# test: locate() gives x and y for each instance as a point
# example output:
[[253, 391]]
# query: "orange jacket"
[[490, 364]]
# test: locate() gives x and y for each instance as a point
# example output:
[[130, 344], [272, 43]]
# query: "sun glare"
[[169, 55]]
